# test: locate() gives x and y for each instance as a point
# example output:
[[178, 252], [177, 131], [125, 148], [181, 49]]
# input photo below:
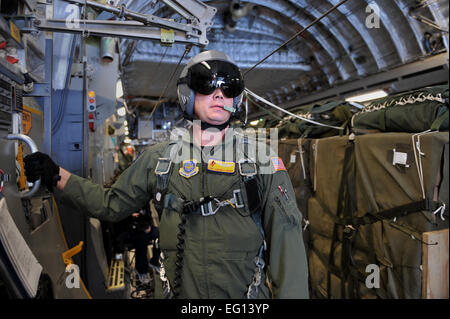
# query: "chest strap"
[[206, 206]]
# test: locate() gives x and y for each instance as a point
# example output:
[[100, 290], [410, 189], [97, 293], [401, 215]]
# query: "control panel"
[[11, 99], [5, 102]]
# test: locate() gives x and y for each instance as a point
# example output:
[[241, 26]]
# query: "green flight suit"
[[219, 249]]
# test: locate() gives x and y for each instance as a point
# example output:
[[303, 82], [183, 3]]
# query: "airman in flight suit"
[[228, 215]]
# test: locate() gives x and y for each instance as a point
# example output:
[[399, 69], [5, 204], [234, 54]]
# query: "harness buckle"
[[253, 170], [207, 209], [189, 207], [163, 169], [238, 202]]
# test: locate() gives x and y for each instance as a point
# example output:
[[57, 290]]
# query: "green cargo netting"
[[412, 112]]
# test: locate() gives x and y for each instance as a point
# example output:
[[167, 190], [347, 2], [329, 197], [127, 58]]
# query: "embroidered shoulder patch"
[[221, 166], [189, 168], [278, 164]]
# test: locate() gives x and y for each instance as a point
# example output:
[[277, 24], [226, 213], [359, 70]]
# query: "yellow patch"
[[221, 166]]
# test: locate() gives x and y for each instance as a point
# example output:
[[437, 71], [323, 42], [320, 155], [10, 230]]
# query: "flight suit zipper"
[[205, 249]]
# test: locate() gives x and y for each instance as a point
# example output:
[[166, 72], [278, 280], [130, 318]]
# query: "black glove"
[[40, 165]]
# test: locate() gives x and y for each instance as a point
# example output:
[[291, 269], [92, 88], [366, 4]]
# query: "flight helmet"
[[206, 72]]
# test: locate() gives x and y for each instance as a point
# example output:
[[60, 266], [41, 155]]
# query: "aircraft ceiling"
[[340, 48]]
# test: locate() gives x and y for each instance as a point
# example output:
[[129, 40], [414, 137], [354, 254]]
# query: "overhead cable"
[[289, 113], [295, 36], [186, 51], [264, 109]]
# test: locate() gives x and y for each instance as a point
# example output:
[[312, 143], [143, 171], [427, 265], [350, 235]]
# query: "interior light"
[[119, 89], [367, 96], [255, 122], [121, 111]]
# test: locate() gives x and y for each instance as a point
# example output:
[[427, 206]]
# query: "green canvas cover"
[[383, 185], [376, 155], [366, 206], [295, 156], [334, 113], [412, 112]]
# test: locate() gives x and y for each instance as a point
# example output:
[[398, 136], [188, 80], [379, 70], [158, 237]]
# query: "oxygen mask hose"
[[180, 255]]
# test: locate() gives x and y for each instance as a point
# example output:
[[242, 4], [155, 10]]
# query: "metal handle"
[[34, 149]]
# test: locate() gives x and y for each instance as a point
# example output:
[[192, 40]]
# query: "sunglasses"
[[207, 76]]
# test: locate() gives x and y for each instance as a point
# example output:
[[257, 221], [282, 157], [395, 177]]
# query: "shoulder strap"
[[163, 172], [249, 172], [249, 187]]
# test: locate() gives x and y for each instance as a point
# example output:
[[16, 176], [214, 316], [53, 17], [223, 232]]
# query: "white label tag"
[[293, 158], [400, 158]]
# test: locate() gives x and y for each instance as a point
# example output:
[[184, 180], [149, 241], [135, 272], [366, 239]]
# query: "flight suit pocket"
[[288, 209], [168, 229], [236, 255]]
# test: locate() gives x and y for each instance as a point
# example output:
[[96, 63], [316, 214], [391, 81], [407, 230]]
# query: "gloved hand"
[[40, 165]]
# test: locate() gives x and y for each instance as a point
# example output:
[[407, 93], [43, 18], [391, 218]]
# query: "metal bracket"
[[144, 26], [166, 171], [39, 90]]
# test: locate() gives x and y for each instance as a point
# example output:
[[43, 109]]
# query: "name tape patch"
[[221, 166]]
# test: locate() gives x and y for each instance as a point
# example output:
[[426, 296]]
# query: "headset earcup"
[[186, 98], [190, 104]]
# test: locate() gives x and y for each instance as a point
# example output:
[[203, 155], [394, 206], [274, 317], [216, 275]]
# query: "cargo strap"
[[347, 209], [370, 217], [334, 269]]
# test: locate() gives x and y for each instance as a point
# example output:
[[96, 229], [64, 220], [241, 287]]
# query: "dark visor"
[[205, 77]]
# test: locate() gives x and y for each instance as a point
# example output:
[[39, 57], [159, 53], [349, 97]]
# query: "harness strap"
[[206, 206], [167, 290], [249, 172], [163, 172], [249, 191]]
